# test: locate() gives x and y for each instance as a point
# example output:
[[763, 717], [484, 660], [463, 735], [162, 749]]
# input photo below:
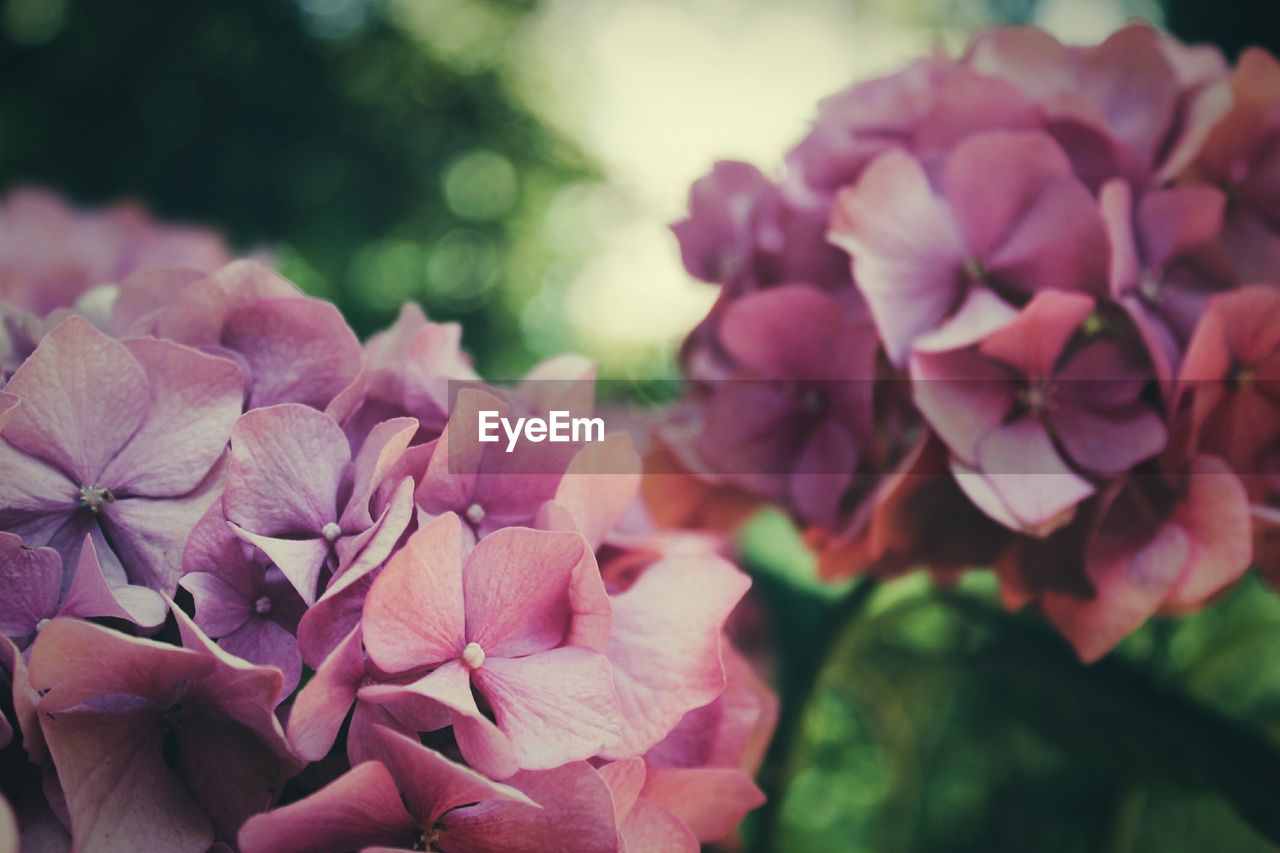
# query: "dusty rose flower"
[[242, 600], [157, 746], [519, 622], [413, 798], [51, 254], [1035, 407], [31, 591], [118, 441], [295, 491], [291, 348], [1008, 220]]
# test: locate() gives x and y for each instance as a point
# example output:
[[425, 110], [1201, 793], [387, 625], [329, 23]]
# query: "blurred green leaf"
[[942, 723]]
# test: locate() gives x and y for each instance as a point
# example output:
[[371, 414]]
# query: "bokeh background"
[[513, 164]]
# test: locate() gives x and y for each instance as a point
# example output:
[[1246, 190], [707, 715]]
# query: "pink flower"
[[1229, 379], [407, 372], [321, 707], [677, 809], [1242, 155], [1163, 264], [241, 599], [1008, 219], [295, 492], [157, 747], [413, 798], [1036, 405], [290, 347], [666, 643], [31, 592], [118, 441], [1146, 130], [792, 422], [52, 254], [1156, 544], [520, 622]]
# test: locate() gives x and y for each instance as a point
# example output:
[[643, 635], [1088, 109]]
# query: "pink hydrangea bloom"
[[413, 798], [242, 600], [519, 620], [118, 441], [295, 492], [51, 254], [291, 348], [156, 746]]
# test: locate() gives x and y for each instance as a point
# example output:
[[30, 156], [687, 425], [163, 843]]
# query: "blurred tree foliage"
[[322, 129]]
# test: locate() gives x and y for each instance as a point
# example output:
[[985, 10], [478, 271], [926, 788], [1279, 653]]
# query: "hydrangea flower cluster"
[[261, 589], [1014, 309]]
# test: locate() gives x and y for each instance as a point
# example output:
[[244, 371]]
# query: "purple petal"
[[195, 398], [83, 396]]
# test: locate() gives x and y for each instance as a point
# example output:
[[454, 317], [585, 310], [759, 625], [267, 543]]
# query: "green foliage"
[[942, 723], [379, 169]]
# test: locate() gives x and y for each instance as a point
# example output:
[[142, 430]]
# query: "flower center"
[[1036, 397], [262, 606], [331, 531], [40, 625], [1244, 379], [974, 270], [425, 839], [473, 656], [1149, 288], [475, 513], [95, 497]]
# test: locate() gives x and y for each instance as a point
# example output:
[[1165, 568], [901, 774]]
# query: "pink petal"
[[434, 785], [905, 246], [331, 618], [31, 581], [602, 482], [297, 350], [200, 312], [286, 464], [1213, 512], [382, 448], [665, 646], [299, 560], [237, 689], [195, 398], [1109, 442], [963, 395], [1177, 221], [75, 661], [771, 332], [710, 801], [91, 596], [413, 615], [119, 793], [358, 810], [732, 731], [267, 643], [482, 744], [149, 535], [653, 827], [1115, 203], [322, 705], [573, 802], [516, 589], [1034, 342], [220, 609], [625, 778], [1129, 583], [1025, 470], [554, 706], [83, 396]]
